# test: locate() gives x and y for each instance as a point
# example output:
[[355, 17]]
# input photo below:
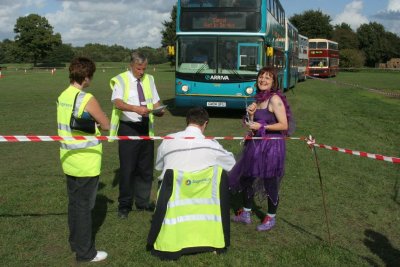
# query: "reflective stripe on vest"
[[78, 109], [214, 200], [86, 144], [78, 103], [79, 158], [193, 215], [189, 218], [123, 81]]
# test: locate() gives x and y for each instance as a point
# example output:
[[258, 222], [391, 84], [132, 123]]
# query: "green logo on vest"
[[200, 181]]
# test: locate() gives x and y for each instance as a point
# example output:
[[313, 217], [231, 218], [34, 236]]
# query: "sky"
[[137, 23]]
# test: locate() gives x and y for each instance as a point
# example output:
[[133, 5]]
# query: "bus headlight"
[[249, 90], [185, 88]]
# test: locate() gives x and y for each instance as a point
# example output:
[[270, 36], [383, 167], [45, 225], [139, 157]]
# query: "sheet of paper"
[[159, 109]]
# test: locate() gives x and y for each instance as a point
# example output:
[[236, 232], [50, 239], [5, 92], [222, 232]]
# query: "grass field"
[[363, 195]]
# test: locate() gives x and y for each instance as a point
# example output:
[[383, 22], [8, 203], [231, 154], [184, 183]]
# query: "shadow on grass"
[[380, 245], [32, 215], [115, 181], [396, 190], [99, 212], [302, 230], [236, 202]]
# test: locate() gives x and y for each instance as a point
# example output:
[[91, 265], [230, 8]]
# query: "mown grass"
[[362, 194]]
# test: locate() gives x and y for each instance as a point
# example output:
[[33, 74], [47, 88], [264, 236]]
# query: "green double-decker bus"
[[220, 47]]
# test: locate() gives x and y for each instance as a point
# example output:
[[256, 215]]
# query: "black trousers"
[[136, 159], [248, 195], [81, 200]]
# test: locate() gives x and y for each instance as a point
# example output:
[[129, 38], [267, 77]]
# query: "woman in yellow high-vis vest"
[[81, 159]]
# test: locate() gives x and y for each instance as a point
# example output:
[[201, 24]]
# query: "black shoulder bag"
[[81, 124]]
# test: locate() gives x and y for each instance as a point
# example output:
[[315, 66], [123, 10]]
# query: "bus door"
[[250, 56]]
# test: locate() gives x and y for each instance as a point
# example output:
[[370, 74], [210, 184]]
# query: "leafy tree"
[[169, 34], [351, 58], [118, 53], [96, 52], [35, 37], [154, 56], [60, 53], [103, 53], [391, 46], [345, 36], [11, 53], [372, 42], [2, 53], [169, 31], [313, 24]]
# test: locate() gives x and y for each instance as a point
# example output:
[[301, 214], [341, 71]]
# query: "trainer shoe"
[[242, 217], [267, 224], [101, 255]]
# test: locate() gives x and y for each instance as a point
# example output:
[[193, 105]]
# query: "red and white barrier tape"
[[45, 138], [310, 141]]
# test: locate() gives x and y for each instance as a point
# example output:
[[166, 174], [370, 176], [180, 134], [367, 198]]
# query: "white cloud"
[[390, 18], [7, 21], [128, 23], [352, 15], [393, 5]]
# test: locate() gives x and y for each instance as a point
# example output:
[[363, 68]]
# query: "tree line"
[[368, 46], [35, 42]]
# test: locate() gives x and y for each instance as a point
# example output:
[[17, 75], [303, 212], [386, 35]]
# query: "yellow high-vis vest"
[[193, 215], [79, 158], [123, 81]]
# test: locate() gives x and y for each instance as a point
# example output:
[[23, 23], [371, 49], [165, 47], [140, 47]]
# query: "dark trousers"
[[248, 194], [81, 200], [136, 160]]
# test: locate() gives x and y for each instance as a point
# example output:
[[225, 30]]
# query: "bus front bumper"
[[213, 102]]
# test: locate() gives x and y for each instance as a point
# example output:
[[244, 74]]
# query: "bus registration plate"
[[216, 104]]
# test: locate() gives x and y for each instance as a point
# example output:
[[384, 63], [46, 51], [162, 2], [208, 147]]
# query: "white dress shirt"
[[133, 97], [191, 154]]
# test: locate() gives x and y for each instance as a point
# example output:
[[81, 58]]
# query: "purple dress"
[[262, 163]]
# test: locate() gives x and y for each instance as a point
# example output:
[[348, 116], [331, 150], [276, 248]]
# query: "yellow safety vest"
[[79, 158], [193, 216], [123, 81]]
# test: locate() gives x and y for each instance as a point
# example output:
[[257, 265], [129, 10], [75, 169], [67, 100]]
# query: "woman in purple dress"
[[261, 167]]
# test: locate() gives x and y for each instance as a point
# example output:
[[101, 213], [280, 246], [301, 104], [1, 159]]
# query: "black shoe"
[[149, 207], [123, 214]]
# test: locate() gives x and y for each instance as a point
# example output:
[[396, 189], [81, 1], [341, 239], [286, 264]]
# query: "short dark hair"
[[80, 68], [197, 115]]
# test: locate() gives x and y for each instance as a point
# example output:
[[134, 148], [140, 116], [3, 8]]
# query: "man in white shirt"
[[134, 97], [192, 154]]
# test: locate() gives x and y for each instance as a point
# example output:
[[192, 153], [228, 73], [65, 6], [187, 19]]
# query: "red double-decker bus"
[[323, 58]]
